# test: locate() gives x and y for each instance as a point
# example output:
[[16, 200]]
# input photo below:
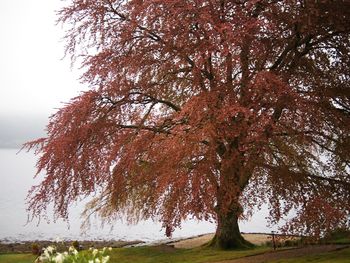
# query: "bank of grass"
[[17, 258], [156, 254], [163, 254], [338, 256]]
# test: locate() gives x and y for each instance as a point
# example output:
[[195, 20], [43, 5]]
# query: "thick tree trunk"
[[233, 179], [227, 234]]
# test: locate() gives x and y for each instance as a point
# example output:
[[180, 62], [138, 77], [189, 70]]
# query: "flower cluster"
[[50, 255]]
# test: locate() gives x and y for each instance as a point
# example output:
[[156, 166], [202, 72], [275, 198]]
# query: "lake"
[[16, 177]]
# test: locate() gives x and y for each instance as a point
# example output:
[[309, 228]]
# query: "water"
[[16, 178]]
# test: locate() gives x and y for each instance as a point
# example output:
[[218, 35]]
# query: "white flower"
[[97, 260], [59, 258], [105, 259], [72, 250], [94, 252], [50, 249], [46, 254], [91, 261], [110, 248]]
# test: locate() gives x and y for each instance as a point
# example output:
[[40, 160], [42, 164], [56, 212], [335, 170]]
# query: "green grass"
[[341, 241], [340, 256], [16, 258], [161, 254]]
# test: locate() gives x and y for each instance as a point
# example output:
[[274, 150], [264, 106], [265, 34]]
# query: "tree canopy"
[[204, 109]]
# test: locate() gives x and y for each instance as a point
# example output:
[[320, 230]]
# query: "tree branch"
[[154, 99], [143, 127], [304, 174]]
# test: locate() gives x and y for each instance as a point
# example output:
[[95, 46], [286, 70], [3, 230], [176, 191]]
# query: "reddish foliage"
[[198, 108]]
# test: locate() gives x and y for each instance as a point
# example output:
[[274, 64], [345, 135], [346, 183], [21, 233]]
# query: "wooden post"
[[273, 240]]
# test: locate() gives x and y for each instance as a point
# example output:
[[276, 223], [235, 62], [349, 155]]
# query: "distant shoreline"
[[7, 246], [26, 246]]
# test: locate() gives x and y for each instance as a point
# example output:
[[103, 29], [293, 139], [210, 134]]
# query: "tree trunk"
[[227, 234], [233, 179]]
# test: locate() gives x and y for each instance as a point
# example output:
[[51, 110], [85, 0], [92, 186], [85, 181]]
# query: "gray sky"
[[34, 80]]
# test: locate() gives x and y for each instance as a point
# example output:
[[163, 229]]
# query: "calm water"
[[16, 177]]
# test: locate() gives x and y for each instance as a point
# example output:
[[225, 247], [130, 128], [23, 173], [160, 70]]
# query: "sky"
[[35, 78]]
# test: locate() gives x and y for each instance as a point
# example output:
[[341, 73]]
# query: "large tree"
[[204, 109]]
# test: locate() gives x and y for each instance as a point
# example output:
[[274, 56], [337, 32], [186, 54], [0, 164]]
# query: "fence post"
[[273, 240]]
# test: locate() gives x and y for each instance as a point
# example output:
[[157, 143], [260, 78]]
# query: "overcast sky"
[[34, 80]]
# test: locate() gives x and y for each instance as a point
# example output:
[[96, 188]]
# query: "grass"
[[16, 258], [162, 254], [339, 256], [159, 254]]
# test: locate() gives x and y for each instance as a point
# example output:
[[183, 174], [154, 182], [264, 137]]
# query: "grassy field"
[[158, 254], [168, 254], [17, 258], [340, 256], [162, 254]]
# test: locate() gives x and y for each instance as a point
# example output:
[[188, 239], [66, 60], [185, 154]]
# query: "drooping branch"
[[304, 176], [156, 100], [143, 127], [332, 181], [145, 100]]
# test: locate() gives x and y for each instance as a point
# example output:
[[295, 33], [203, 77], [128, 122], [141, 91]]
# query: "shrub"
[[35, 249], [338, 235], [76, 245]]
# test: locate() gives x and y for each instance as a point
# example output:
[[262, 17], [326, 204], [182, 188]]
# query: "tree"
[[205, 109]]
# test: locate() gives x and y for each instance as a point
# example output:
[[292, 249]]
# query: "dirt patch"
[[287, 253], [192, 242], [257, 239]]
